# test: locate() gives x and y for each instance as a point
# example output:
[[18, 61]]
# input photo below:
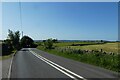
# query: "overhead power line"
[[21, 24]]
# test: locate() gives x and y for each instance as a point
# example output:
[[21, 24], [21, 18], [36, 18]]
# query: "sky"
[[0, 20], [62, 20]]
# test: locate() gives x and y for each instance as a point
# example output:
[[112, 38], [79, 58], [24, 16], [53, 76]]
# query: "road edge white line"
[[10, 68], [58, 66]]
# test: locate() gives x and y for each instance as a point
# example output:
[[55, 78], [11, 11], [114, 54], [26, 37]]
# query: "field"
[[88, 52], [107, 47]]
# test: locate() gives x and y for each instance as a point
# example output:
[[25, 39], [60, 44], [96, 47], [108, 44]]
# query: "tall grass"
[[97, 58]]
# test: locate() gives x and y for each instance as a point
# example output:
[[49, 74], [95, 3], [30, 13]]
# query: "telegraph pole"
[[22, 33]]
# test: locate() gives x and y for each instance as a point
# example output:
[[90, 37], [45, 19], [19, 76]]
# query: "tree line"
[[14, 43]]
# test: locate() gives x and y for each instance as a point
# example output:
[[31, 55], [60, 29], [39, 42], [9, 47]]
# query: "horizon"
[[72, 39], [62, 20]]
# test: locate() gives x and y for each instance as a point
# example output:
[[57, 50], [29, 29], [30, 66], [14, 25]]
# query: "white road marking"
[[9, 72], [56, 66]]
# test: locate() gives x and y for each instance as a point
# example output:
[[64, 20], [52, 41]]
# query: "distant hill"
[[83, 41], [38, 40], [77, 41]]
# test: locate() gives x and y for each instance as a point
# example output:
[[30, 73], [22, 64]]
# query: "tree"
[[27, 42], [44, 40], [9, 44], [14, 37], [7, 47], [17, 40], [11, 36], [48, 44], [55, 40]]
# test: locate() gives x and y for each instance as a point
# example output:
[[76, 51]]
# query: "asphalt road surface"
[[34, 63]]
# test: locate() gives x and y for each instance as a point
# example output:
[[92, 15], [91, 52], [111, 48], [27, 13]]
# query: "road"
[[0, 69], [34, 63]]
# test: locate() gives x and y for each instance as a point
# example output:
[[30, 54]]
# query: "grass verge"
[[110, 62]]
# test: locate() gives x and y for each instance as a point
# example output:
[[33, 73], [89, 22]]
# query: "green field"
[[75, 51], [107, 47]]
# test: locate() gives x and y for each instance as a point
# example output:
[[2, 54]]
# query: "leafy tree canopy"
[[27, 42]]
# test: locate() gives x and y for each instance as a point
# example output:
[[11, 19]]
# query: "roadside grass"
[[107, 61], [53, 51], [5, 57]]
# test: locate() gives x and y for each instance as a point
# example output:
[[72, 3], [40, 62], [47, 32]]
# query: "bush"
[[48, 44], [55, 41], [6, 49], [34, 45]]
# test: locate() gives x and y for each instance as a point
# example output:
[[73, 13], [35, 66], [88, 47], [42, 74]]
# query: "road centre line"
[[56, 66], [53, 66]]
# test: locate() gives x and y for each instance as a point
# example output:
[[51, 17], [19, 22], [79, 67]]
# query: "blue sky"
[[71, 20]]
